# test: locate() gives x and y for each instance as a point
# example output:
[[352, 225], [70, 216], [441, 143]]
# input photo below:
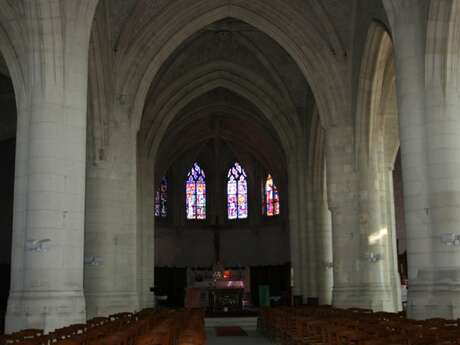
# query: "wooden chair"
[[27, 334]]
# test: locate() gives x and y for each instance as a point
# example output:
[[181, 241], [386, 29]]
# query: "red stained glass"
[[272, 203]]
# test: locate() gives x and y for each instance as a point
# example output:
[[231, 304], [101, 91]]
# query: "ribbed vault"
[[227, 117], [234, 71]]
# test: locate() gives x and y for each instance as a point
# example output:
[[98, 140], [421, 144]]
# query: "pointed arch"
[[320, 64], [201, 81]]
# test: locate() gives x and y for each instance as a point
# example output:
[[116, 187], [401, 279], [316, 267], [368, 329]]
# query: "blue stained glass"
[[195, 193], [157, 204], [237, 193]]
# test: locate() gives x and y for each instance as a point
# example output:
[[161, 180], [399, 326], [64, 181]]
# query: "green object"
[[264, 295]]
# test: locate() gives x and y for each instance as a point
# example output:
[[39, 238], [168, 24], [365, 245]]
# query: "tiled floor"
[[253, 338]]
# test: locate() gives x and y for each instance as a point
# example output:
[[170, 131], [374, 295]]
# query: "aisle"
[[253, 338]]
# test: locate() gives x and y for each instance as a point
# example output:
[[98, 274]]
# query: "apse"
[[221, 173]]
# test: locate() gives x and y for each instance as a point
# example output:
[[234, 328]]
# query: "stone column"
[[342, 187], [323, 229], [294, 226], [376, 243], [311, 259], [320, 217], [47, 251], [111, 227], [301, 235], [306, 228], [438, 284], [145, 238], [430, 152], [392, 248]]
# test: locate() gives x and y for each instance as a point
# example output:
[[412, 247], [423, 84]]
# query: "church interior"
[[190, 172]]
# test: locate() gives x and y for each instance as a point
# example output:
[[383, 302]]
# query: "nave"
[[246, 326], [172, 149]]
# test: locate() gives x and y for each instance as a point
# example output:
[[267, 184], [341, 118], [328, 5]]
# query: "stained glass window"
[[237, 193], [195, 193], [272, 199], [161, 199]]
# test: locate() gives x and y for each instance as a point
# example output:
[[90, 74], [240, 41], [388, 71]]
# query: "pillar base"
[[434, 293], [107, 303], [377, 298], [44, 310]]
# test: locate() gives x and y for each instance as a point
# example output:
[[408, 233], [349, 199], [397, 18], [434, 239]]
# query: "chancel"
[[177, 171], [219, 290]]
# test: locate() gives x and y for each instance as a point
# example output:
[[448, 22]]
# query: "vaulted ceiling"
[[232, 82]]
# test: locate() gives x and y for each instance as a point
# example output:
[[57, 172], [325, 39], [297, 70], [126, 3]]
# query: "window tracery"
[[237, 193], [195, 193]]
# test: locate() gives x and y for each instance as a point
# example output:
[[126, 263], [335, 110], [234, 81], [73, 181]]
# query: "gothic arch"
[[313, 56], [212, 80], [9, 53]]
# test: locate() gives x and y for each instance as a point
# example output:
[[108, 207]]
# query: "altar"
[[226, 300], [217, 291]]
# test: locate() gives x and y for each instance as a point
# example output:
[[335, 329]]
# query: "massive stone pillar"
[[47, 251], [430, 151], [308, 261], [295, 226], [363, 256], [111, 227], [323, 235], [342, 187], [312, 259], [391, 252], [145, 237], [302, 238], [379, 273]]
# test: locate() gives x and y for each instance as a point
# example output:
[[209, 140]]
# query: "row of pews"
[[325, 325], [147, 327]]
